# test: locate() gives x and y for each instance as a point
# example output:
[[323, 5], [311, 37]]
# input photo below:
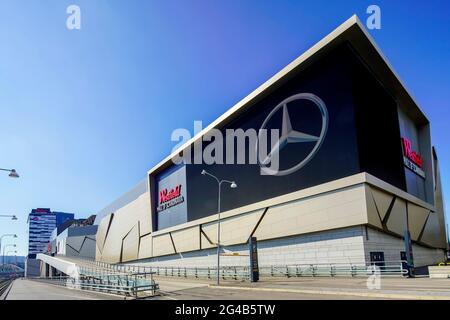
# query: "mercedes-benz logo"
[[289, 135]]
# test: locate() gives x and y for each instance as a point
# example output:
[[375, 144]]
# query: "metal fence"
[[134, 285], [386, 268]]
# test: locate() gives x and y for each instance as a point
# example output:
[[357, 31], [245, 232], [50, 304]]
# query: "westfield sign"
[[169, 198], [410, 154], [412, 159]]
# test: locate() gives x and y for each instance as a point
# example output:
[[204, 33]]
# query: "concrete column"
[[47, 270]]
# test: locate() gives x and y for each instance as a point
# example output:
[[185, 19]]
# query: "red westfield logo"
[[415, 157], [166, 195]]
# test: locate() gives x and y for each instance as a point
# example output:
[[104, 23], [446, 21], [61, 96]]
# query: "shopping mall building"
[[357, 169]]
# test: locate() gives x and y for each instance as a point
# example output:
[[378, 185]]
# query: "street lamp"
[[4, 248], [12, 172], [232, 185], [13, 251], [12, 216], [6, 235]]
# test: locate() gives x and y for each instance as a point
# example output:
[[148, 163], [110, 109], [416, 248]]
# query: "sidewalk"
[[390, 288]]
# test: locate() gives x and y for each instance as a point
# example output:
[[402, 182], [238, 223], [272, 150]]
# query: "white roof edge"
[[353, 20], [389, 65], [308, 53]]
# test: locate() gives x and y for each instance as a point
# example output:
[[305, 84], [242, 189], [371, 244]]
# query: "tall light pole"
[[4, 248], [12, 216], [232, 185], [6, 235], [13, 251], [12, 172]]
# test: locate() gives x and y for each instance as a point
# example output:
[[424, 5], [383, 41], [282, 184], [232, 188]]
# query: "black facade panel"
[[329, 79], [378, 129], [363, 136]]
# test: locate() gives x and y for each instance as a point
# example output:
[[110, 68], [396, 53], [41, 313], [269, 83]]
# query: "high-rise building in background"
[[41, 223]]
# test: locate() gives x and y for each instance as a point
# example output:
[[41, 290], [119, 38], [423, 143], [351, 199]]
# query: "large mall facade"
[[368, 174]]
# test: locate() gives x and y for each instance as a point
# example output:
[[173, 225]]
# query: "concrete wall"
[[391, 246], [32, 267], [81, 246], [77, 241], [126, 235], [394, 211], [119, 233], [333, 246], [346, 245], [313, 213]]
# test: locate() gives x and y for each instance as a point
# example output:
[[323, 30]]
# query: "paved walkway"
[[23, 289], [199, 291], [293, 288], [390, 288]]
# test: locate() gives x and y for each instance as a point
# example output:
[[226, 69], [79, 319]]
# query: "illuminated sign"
[[412, 159], [410, 154], [170, 198]]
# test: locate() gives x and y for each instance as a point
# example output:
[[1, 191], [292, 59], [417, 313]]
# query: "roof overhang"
[[351, 31]]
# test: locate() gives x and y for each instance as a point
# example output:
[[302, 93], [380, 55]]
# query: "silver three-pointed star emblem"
[[289, 135]]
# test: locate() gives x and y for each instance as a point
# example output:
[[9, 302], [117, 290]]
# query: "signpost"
[[254, 269], [409, 254]]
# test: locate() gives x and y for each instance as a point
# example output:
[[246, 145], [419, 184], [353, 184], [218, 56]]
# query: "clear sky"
[[85, 113]]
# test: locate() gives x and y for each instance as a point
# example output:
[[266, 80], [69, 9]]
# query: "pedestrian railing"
[[386, 268], [134, 285]]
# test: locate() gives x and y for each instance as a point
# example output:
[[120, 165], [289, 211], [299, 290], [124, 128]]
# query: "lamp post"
[[232, 185], [12, 216], [13, 251], [4, 248], [12, 172], [6, 235]]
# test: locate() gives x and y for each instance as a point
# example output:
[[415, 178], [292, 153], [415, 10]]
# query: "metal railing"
[[133, 285], [386, 268]]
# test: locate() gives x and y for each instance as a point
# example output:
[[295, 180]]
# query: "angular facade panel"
[[130, 245], [396, 221], [162, 245], [145, 247], [417, 217], [431, 233], [186, 239], [328, 211], [382, 201], [234, 230]]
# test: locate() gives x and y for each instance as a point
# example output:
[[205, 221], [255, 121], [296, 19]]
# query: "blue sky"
[[85, 113]]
